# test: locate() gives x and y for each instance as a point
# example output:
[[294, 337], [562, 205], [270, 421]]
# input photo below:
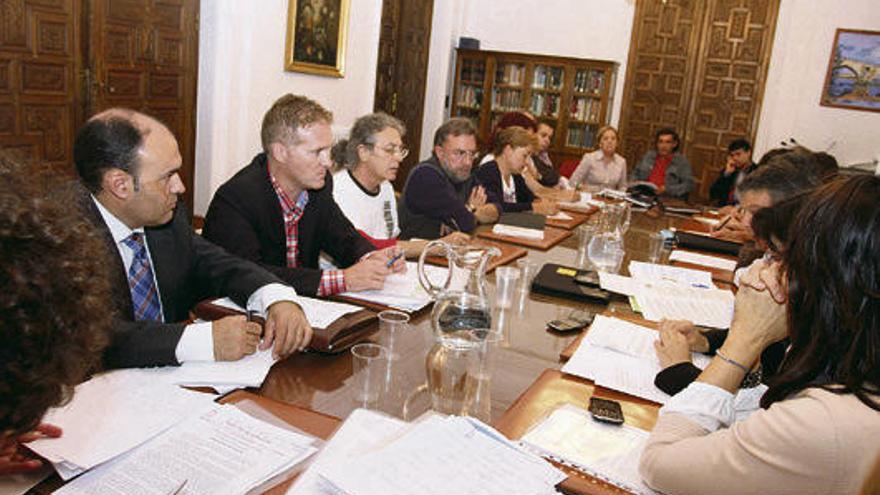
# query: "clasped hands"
[[759, 320]]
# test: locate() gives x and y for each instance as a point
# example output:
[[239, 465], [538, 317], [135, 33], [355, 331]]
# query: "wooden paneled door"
[[699, 67], [63, 60], [39, 79], [402, 70], [143, 55]]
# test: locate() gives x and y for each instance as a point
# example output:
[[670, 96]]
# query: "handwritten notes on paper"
[[403, 291], [703, 260]]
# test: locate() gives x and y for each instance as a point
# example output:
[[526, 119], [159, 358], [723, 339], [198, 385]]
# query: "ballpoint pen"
[[394, 259], [179, 488]]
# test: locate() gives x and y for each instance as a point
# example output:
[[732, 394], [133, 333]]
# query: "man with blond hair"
[[279, 210]]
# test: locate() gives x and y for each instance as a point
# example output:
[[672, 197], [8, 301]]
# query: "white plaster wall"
[[802, 46], [241, 72], [597, 29]]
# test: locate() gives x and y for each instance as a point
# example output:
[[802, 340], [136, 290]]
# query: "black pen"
[[723, 223]]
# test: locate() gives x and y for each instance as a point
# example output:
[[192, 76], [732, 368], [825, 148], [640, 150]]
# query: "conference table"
[[324, 383], [317, 391]]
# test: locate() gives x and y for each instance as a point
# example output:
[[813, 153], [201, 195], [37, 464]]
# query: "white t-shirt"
[[372, 214]]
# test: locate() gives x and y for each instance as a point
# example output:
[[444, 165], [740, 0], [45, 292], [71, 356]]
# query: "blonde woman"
[[602, 168]]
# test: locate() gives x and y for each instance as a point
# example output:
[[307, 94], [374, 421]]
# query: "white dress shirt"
[[197, 341]]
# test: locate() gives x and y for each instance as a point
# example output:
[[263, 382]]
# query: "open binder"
[[343, 333]]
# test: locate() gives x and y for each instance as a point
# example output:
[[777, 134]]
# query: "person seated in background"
[[502, 177], [54, 290], [783, 176], [602, 168], [818, 427], [546, 173], [532, 176], [128, 165], [739, 165], [441, 195], [279, 210], [679, 337], [371, 157], [665, 167]]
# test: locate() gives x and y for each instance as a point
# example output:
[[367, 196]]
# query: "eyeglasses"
[[463, 154], [399, 151]]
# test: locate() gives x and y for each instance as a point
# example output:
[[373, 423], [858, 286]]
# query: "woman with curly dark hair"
[[819, 427], [53, 293]]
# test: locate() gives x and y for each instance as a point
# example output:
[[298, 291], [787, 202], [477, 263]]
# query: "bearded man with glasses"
[[441, 195]]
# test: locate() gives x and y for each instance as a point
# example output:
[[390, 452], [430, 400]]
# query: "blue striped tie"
[[140, 279]]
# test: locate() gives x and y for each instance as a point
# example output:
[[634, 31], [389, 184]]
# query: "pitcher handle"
[[430, 288]]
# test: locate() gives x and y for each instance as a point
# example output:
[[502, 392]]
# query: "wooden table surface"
[[324, 382]]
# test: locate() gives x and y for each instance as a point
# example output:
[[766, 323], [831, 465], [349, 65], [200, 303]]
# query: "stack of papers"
[[620, 355], [673, 293], [585, 202], [221, 451], [442, 455], [560, 216], [521, 232], [703, 260], [113, 413], [403, 291], [320, 313], [223, 376], [608, 452]]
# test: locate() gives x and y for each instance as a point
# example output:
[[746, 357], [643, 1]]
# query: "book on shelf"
[[510, 74]]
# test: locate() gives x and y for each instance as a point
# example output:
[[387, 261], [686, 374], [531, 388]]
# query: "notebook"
[[558, 280]]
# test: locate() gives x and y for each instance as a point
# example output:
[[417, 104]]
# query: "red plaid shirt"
[[332, 281]]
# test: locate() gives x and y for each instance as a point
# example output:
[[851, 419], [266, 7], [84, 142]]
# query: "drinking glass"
[[606, 252], [370, 364]]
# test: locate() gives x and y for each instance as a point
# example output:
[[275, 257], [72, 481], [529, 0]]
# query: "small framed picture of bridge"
[[853, 77]]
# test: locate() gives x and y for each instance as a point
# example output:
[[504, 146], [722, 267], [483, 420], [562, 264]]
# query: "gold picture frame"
[[316, 35]]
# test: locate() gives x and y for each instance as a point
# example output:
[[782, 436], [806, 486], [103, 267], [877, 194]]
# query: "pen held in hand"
[[723, 223], [394, 259]]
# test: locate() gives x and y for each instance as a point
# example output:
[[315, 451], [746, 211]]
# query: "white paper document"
[[320, 313], [222, 451], [362, 432], [654, 272], [608, 452], [249, 371], [521, 232], [619, 355], [443, 455], [111, 414], [404, 292], [703, 260], [560, 216], [705, 307]]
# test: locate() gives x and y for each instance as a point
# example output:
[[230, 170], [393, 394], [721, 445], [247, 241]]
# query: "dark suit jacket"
[[246, 219], [187, 268]]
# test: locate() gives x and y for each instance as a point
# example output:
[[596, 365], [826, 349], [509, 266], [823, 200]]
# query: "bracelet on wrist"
[[726, 359]]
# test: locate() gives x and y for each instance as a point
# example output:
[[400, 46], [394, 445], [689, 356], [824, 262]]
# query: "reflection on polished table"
[[323, 382]]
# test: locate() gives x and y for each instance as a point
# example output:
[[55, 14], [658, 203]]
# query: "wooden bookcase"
[[573, 95]]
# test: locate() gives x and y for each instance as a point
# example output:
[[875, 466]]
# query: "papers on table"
[[442, 455], [521, 232], [571, 436], [703, 260], [673, 293], [560, 216], [620, 355], [113, 413], [683, 276], [249, 371], [221, 451], [404, 292], [319, 313], [711, 222], [585, 202], [705, 307], [362, 432]]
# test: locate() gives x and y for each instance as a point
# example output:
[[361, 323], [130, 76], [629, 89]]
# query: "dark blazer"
[[188, 269], [245, 218], [490, 176]]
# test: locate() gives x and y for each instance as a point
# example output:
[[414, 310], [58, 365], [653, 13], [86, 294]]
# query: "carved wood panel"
[[402, 68], [699, 67], [729, 83], [144, 53], [39, 84]]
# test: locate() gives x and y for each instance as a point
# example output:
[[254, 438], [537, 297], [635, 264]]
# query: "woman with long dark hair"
[[819, 427]]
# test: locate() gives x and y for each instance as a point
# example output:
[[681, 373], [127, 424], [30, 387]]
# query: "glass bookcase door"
[[469, 99], [585, 111], [546, 97], [507, 90]]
